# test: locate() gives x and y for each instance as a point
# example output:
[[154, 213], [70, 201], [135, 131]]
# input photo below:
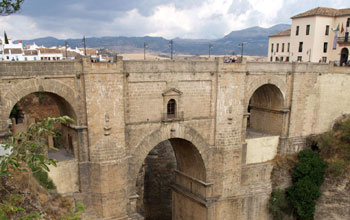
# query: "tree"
[[8, 7], [307, 177], [27, 154]]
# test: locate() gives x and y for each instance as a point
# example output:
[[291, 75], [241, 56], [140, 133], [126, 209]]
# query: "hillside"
[[255, 43]]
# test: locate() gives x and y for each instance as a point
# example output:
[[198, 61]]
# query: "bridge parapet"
[[39, 68], [165, 66]]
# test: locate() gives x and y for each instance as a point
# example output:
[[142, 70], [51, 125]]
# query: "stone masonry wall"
[[121, 116]]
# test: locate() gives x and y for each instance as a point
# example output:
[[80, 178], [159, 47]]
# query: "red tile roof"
[[13, 51], [322, 11], [48, 50], [282, 33], [30, 52]]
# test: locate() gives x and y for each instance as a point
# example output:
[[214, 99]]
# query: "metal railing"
[[345, 39], [178, 116]]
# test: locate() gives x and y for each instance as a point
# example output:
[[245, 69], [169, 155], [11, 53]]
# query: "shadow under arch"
[[63, 94], [158, 186], [266, 109], [278, 83], [185, 140]]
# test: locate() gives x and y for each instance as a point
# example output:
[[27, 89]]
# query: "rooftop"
[[282, 33], [322, 11]]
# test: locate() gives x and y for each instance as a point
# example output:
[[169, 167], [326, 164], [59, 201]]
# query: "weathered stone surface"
[[120, 111]]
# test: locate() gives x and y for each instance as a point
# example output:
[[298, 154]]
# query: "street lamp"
[[66, 48], [170, 44], [145, 46], [241, 46], [210, 47], [84, 43]]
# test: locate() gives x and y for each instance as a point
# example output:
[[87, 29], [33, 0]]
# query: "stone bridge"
[[224, 121]]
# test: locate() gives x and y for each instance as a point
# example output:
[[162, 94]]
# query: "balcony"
[[344, 40], [178, 116]]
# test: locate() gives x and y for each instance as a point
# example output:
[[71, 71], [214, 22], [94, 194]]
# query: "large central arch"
[[191, 152]]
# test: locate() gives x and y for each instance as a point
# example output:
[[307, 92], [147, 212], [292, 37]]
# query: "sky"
[[195, 19]]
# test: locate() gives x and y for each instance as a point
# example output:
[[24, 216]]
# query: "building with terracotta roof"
[[318, 35]]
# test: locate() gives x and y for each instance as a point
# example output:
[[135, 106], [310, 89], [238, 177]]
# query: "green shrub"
[[278, 205], [43, 178], [307, 177], [310, 165], [302, 196], [326, 144], [336, 167], [345, 131]]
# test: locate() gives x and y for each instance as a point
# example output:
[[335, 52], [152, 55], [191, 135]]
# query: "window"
[[288, 47], [300, 47], [348, 23], [325, 45], [271, 48], [327, 30], [324, 59], [282, 47], [281, 59], [300, 58], [297, 31], [271, 59], [307, 29], [276, 58], [278, 45], [171, 108]]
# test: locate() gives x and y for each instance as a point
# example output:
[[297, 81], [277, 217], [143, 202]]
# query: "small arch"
[[36, 106], [344, 56], [171, 108], [26, 87], [266, 110]]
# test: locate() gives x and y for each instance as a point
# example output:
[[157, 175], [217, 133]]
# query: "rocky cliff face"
[[334, 203]]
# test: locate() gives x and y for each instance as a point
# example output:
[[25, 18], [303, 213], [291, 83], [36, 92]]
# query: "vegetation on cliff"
[[24, 182], [327, 154]]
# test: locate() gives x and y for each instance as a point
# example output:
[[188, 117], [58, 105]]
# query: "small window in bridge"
[[171, 108]]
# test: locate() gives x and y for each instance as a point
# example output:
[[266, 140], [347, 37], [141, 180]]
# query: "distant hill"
[[255, 42]]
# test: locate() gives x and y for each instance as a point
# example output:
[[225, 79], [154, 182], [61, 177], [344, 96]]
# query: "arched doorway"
[[36, 106], [172, 166], [265, 111], [344, 55]]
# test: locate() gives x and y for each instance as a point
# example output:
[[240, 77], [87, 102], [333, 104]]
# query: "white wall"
[[261, 149]]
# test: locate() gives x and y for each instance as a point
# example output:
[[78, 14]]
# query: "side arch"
[[256, 84], [24, 88]]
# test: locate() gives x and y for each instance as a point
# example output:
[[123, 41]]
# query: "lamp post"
[[309, 53], [84, 43], [241, 46], [66, 49], [210, 47], [145, 46], [170, 44]]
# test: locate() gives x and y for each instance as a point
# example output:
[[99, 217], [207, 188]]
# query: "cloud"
[[167, 18]]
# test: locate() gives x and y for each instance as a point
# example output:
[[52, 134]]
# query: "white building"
[[317, 35], [11, 51]]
